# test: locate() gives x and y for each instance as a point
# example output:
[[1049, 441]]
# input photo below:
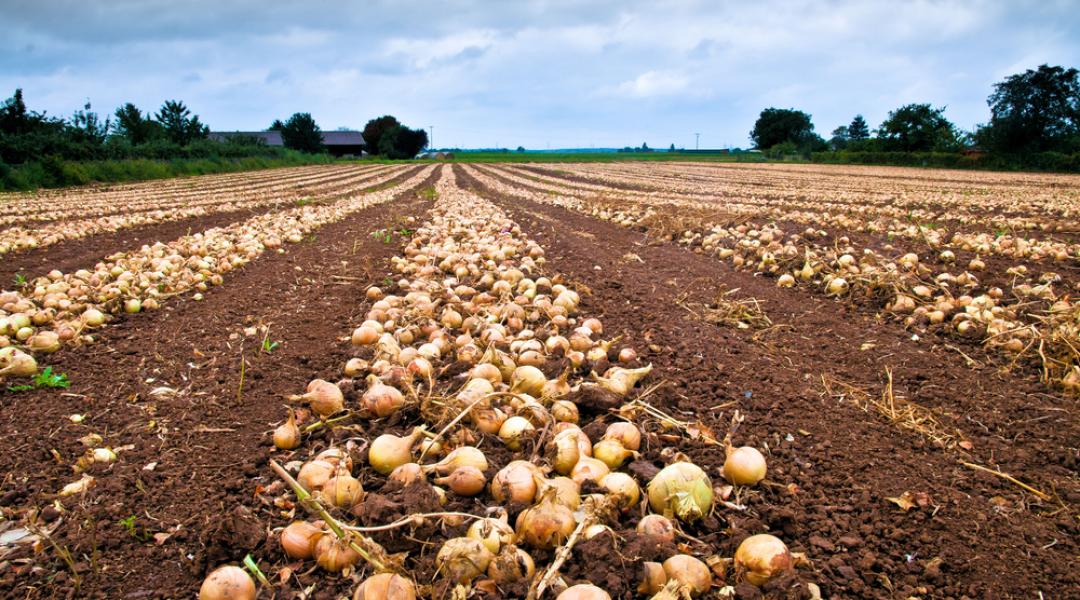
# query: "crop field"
[[543, 380]]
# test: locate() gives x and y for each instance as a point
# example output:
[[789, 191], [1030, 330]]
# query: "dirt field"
[[908, 456]]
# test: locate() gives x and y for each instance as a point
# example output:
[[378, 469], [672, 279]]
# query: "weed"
[[20, 280], [387, 282], [310, 239], [44, 379], [304, 201], [428, 193], [135, 530], [267, 345]]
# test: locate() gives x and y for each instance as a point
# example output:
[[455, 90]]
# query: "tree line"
[[1032, 113]]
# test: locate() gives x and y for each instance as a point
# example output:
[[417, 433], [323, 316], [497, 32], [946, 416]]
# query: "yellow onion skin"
[[385, 586], [744, 466], [299, 539], [692, 573], [227, 583], [761, 557], [657, 525], [334, 555], [493, 533], [583, 591], [464, 481], [511, 565], [287, 435], [463, 559], [546, 525], [681, 489], [653, 578]]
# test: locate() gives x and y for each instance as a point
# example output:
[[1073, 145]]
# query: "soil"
[[195, 489]]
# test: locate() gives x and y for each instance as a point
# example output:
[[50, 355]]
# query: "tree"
[[374, 131], [918, 128], [1035, 111], [858, 129], [301, 133], [179, 124], [277, 125], [87, 128], [521, 148], [840, 137], [778, 125], [672, 148], [400, 142], [645, 147], [136, 127]]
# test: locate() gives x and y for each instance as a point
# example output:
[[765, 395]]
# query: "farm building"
[[338, 143]]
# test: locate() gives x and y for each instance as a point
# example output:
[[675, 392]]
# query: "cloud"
[[606, 73]]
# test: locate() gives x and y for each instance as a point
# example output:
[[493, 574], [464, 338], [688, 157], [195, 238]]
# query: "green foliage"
[[428, 193], [268, 346], [180, 126], [918, 128], [134, 529], [135, 127], [1034, 111], [19, 280], [400, 142], [46, 379], [375, 129], [300, 132], [858, 130], [779, 125]]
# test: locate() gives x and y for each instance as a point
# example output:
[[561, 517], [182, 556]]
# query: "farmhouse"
[[338, 143]]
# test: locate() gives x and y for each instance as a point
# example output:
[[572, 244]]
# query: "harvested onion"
[[385, 586], [761, 557], [744, 466], [683, 490], [227, 583]]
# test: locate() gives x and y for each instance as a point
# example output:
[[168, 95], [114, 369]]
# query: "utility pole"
[[431, 137], [697, 136]]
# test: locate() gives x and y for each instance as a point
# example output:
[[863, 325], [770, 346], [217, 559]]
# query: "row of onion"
[[472, 292]]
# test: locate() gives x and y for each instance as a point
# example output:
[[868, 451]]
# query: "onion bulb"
[[528, 379], [511, 565], [381, 400], [45, 342], [315, 473], [545, 525], [653, 578], [620, 381], [658, 526], [514, 431], [744, 466], [564, 451], [460, 457], [493, 533], [227, 583], [516, 482], [324, 397], [287, 435], [625, 433], [16, 363], [365, 335], [299, 539], [464, 481], [565, 411], [583, 591], [693, 574], [681, 489], [588, 469], [761, 557], [407, 474], [342, 490], [611, 453], [623, 488], [389, 451], [385, 586], [567, 491], [335, 555], [463, 559]]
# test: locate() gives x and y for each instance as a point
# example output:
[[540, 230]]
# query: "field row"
[[1023, 313]]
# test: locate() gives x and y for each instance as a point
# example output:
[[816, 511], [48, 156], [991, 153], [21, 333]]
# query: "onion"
[[299, 539], [588, 469], [132, 305], [315, 473], [565, 451], [493, 533], [693, 574], [657, 526], [287, 435], [623, 488], [342, 490], [761, 557], [744, 466], [407, 474], [464, 481], [460, 457], [486, 371], [227, 583], [16, 363], [514, 430], [620, 381], [365, 336], [389, 451], [625, 433], [381, 400], [611, 453], [462, 559], [487, 419], [528, 379], [583, 591], [354, 367], [683, 490], [511, 565], [324, 397], [93, 317], [385, 586], [46, 342], [627, 355], [567, 491], [516, 482], [653, 578], [334, 555], [545, 525], [565, 411]]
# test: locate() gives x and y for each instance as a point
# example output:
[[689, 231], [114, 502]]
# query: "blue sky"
[[548, 73]]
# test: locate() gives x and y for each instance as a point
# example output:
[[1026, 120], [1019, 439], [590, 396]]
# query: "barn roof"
[[273, 138]]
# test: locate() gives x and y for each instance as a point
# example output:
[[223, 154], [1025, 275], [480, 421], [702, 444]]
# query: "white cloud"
[[654, 83]]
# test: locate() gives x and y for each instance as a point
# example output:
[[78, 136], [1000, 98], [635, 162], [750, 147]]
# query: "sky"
[[541, 74]]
